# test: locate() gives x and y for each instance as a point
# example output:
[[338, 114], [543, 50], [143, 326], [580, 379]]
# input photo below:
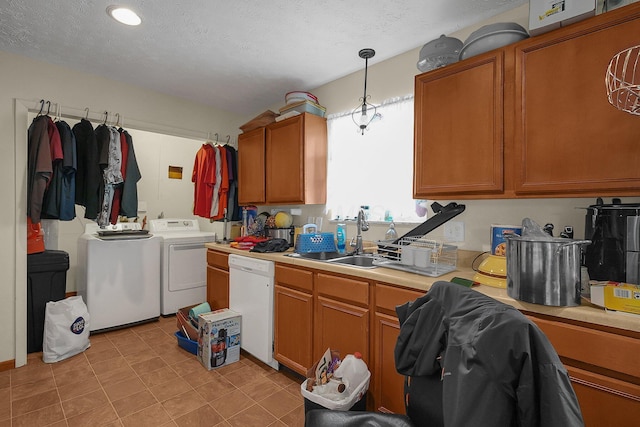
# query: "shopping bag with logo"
[[66, 329]]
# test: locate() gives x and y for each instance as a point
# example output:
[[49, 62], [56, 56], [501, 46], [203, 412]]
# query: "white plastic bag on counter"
[[66, 329]]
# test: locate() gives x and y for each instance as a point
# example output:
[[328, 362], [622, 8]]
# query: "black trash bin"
[[46, 281]]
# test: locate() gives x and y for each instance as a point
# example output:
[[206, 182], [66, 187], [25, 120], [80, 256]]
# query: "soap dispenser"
[[391, 233]]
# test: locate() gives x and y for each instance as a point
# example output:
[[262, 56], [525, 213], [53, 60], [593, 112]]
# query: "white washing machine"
[[183, 262], [119, 275]]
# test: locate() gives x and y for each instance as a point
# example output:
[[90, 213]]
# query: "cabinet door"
[[217, 288], [293, 329], [603, 369], [251, 166], [458, 142], [605, 401], [569, 139], [285, 161], [343, 327], [389, 384]]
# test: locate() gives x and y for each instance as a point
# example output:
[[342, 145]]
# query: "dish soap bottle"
[[391, 233], [341, 233]]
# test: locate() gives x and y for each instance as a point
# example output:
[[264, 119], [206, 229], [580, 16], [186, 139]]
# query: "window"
[[374, 169]]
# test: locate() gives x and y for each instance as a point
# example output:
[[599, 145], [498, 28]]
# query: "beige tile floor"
[[140, 377]]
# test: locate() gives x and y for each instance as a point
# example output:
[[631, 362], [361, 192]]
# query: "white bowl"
[[297, 96], [491, 37]]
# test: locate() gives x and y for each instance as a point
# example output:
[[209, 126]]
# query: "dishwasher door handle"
[[188, 247]]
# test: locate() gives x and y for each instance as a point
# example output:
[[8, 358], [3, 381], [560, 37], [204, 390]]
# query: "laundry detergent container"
[[46, 281]]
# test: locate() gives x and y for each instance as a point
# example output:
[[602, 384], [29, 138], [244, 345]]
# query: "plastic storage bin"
[[46, 281], [187, 344]]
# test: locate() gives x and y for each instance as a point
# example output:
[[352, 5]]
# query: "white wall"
[[26, 79]]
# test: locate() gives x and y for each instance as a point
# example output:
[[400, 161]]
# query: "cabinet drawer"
[[388, 297], [218, 259], [356, 291], [602, 349], [294, 278]]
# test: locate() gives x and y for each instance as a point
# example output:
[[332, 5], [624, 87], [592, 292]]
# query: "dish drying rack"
[[417, 255]]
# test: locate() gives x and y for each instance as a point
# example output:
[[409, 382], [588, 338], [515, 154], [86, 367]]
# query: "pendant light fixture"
[[364, 113]]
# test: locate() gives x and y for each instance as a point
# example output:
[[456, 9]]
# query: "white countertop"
[[585, 313]]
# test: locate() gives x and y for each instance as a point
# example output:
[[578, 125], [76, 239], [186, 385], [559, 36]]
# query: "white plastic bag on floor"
[[66, 329]]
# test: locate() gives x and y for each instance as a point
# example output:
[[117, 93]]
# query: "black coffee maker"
[[614, 231]]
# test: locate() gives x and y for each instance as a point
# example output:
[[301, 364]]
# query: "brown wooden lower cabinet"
[[317, 310], [387, 388], [217, 279], [388, 385], [342, 315], [293, 318], [605, 401], [342, 326], [603, 368]]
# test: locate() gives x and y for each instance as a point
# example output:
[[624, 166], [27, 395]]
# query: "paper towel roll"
[[199, 309]]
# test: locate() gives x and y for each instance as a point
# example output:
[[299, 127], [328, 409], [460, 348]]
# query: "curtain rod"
[[384, 103], [55, 108]]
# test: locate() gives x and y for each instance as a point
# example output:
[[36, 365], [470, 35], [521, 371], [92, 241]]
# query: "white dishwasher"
[[251, 293]]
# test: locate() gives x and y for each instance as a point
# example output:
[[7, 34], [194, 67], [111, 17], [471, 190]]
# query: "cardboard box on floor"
[[219, 338], [184, 325]]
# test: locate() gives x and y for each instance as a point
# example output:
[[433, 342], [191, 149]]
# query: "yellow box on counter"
[[616, 296], [219, 338]]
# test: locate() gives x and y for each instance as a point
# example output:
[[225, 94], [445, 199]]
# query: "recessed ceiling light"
[[123, 15]]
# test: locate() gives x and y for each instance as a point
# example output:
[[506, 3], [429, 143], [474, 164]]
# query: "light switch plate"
[[454, 231]]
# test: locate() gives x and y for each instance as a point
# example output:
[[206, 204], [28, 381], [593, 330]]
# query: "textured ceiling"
[[240, 56]]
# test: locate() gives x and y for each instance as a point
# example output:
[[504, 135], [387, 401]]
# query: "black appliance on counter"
[[614, 231]]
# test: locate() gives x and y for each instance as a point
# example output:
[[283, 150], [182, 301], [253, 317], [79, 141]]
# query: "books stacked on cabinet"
[[298, 102]]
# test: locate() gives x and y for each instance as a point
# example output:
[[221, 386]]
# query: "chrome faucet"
[[361, 225]]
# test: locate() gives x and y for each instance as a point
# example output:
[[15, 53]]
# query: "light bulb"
[[124, 15]]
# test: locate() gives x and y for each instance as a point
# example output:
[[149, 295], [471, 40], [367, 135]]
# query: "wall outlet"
[[454, 231]]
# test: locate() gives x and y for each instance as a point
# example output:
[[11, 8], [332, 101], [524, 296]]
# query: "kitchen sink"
[[360, 261]]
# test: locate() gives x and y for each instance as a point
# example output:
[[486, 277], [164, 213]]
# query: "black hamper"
[[46, 281]]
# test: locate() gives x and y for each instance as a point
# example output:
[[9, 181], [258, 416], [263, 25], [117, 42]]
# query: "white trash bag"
[[66, 329]]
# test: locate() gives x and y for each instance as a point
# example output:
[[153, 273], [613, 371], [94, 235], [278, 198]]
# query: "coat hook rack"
[[106, 116], [41, 107], [117, 119], [228, 139], [86, 115], [48, 107]]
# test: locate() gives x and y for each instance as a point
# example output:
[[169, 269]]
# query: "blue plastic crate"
[[186, 343], [316, 242]]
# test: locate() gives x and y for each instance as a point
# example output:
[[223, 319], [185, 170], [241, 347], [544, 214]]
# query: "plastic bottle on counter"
[[391, 233], [341, 234], [352, 369]]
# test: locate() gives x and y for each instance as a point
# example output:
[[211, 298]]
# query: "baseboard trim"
[[7, 365]]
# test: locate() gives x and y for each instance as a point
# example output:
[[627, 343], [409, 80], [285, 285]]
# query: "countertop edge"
[[586, 313]]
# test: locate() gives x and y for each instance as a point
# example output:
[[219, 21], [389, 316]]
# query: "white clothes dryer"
[[183, 262], [119, 275]]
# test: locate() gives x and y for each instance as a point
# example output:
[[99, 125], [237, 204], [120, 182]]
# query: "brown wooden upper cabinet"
[[251, 188], [569, 140], [284, 163], [458, 144], [531, 119]]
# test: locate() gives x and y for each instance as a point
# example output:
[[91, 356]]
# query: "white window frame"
[[374, 169]]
